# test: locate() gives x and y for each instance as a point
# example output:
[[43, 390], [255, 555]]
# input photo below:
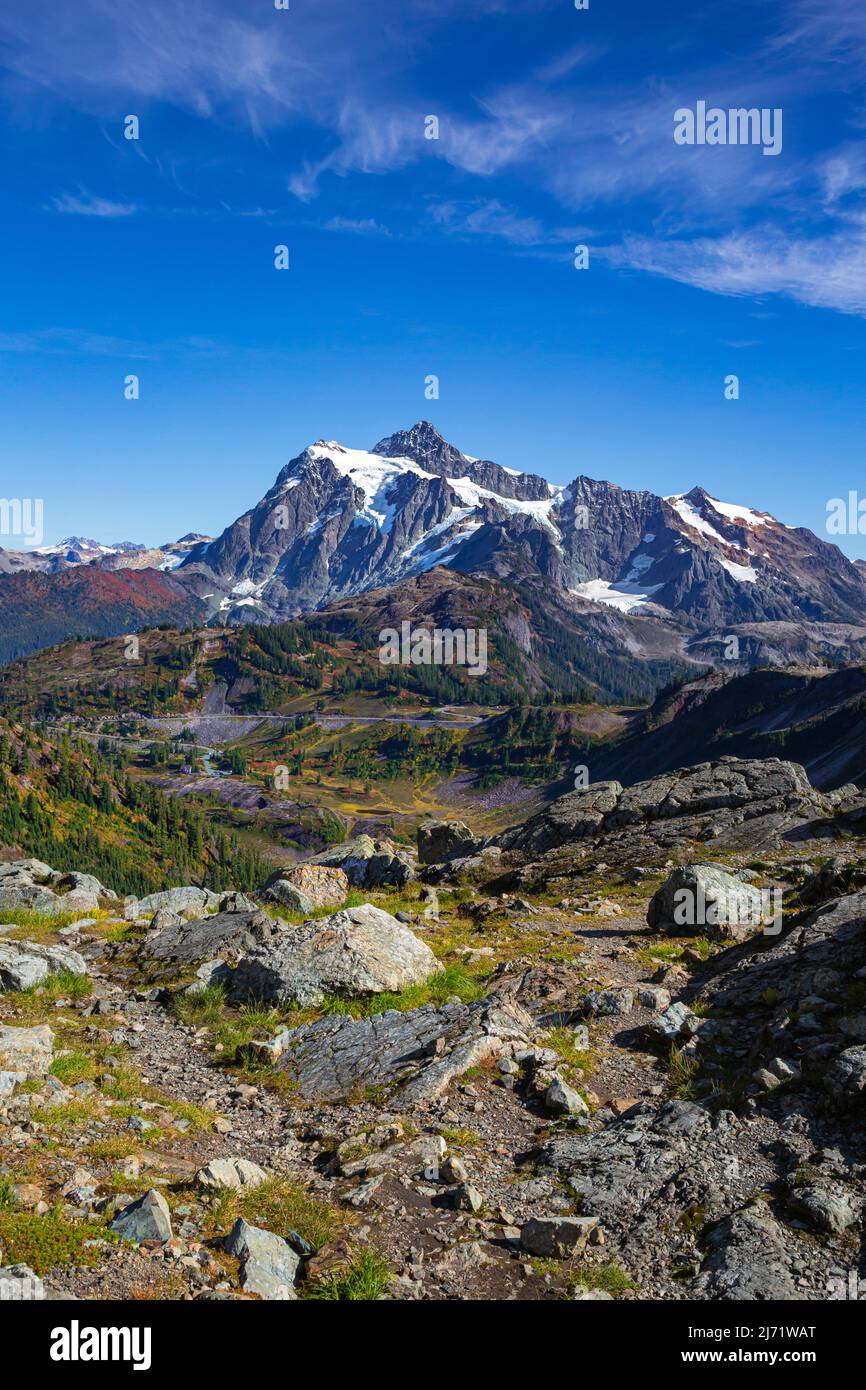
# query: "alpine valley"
[[329, 978]]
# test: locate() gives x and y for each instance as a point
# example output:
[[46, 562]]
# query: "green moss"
[[43, 1242], [609, 1278], [452, 982]]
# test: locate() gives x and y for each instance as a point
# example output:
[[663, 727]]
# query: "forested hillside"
[[74, 809]]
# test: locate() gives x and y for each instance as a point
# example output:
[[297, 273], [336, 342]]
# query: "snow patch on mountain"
[[623, 595], [692, 517], [744, 573], [735, 513]]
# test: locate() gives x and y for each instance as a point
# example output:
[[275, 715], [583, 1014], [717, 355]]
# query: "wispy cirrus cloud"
[[827, 272], [569, 136], [88, 205], [75, 341], [359, 226], [488, 217]]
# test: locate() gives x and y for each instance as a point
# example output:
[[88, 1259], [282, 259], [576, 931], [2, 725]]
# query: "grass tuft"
[[365, 1279]]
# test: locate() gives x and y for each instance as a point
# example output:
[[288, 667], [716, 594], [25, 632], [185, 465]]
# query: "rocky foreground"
[[501, 1068]]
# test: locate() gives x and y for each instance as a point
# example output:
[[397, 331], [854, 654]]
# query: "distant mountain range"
[[633, 574], [78, 550]]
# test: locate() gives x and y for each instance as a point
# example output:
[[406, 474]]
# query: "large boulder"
[[24, 964], [235, 1174], [571, 817], [25, 871], [440, 840], [32, 898], [27, 1050], [320, 885], [845, 1079], [747, 1260], [206, 938], [735, 801], [705, 900], [280, 891], [362, 950], [187, 899], [368, 863], [268, 1264], [148, 1218]]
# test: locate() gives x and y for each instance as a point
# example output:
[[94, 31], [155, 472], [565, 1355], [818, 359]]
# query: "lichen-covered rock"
[[845, 1079], [27, 1050], [184, 899], [556, 1237], [232, 1173], [605, 1003], [361, 950], [321, 885], [440, 840], [281, 891], [148, 1218], [705, 800], [368, 863], [24, 964], [748, 1260], [423, 1049], [31, 884], [268, 1264], [32, 897], [705, 900], [825, 1205], [209, 938]]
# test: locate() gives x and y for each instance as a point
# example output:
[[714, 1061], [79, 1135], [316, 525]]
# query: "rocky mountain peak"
[[425, 446]]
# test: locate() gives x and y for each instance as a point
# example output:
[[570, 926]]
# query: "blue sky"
[[412, 257]]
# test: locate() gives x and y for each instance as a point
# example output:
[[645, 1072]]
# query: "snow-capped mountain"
[[630, 574], [49, 559], [339, 521]]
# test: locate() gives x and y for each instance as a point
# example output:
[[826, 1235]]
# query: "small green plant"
[[562, 1041], [202, 1009], [365, 1279], [114, 1148], [461, 1138], [609, 1278], [64, 985], [280, 1206], [73, 1066], [682, 1073], [453, 982]]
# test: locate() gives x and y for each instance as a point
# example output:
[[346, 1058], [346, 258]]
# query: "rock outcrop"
[[706, 900], [207, 938], [422, 1049], [440, 840], [26, 1050], [31, 884], [368, 863]]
